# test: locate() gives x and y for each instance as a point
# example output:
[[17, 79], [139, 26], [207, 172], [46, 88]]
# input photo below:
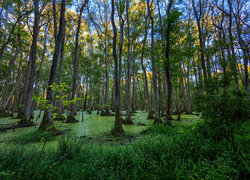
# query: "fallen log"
[[15, 126]]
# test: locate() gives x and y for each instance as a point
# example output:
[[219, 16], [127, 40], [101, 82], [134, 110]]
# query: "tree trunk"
[[233, 61], [28, 103], [55, 19], [107, 112], [157, 119], [71, 117], [47, 119], [60, 109], [189, 109], [134, 89], [118, 123], [11, 63], [245, 56], [121, 24], [150, 112], [160, 91], [128, 81], [167, 69], [202, 43]]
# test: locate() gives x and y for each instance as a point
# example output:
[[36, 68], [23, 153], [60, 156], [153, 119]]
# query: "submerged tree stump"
[[71, 119]]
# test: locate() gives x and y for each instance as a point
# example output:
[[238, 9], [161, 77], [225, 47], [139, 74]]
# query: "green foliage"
[[220, 108], [68, 147], [60, 96], [161, 129], [32, 137], [162, 153], [106, 106]]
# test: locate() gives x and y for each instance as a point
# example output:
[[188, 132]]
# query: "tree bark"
[[128, 81], [245, 51], [118, 123], [71, 117], [202, 43], [189, 109], [233, 61], [106, 53], [55, 19], [60, 109], [121, 24], [167, 68], [47, 118], [157, 119], [28, 103], [11, 63]]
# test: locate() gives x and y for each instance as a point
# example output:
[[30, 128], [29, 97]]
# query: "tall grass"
[[160, 153]]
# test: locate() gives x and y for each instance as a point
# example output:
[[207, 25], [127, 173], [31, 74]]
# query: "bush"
[[221, 108]]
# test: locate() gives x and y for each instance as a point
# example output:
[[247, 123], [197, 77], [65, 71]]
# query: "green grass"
[[32, 137], [175, 152]]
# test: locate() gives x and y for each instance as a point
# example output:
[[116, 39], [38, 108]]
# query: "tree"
[[167, 64], [157, 119], [31, 77], [128, 80], [71, 117], [118, 123], [47, 121]]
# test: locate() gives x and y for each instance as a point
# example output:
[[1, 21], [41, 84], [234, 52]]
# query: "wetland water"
[[92, 125]]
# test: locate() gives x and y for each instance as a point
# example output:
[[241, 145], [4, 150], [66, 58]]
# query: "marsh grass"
[[160, 153]]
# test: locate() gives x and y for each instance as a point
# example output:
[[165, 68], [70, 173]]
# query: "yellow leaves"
[[182, 39], [149, 74], [241, 66], [196, 42]]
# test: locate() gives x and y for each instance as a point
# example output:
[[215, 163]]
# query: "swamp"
[[122, 89]]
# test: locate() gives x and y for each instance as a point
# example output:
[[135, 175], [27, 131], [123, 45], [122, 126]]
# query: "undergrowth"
[[162, 152], [33, 137]]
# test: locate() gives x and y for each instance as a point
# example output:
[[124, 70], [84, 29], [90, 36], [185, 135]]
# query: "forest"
[[123, 89]]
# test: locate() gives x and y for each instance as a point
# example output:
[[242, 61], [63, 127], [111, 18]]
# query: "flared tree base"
[[59, 117], [46, 124], [25, 122], [89, 111], [150, 115], [106, 113], [157, 121], [179, 117], [71, 119], [128, 121], [117, 131]]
